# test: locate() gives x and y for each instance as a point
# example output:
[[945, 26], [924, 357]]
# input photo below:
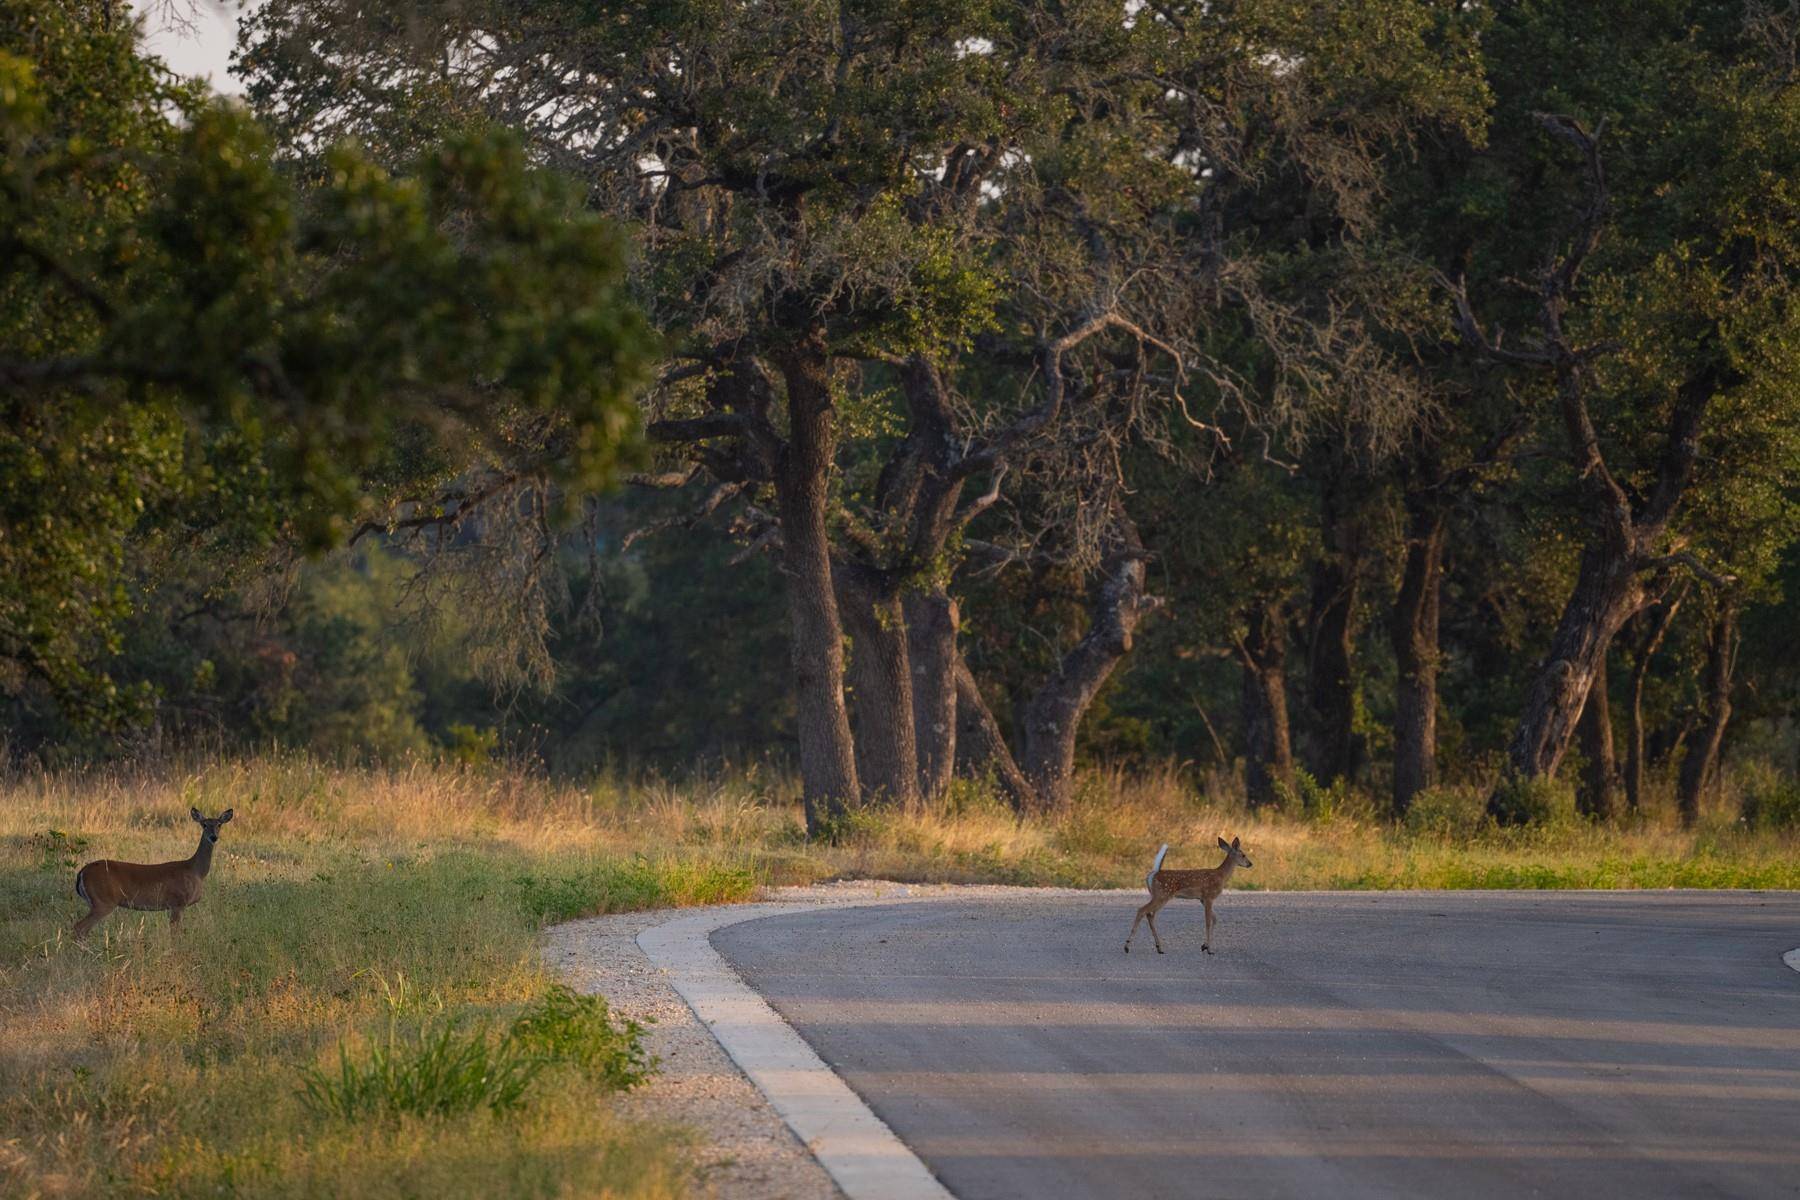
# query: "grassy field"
[[386, 921]]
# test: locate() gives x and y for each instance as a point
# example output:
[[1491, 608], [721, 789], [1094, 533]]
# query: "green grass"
[[445, 1068], [357, 1007], [630, 885], [331, 933]]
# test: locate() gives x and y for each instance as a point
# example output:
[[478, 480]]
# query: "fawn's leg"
[[1150, 911], [1207, 944], [96, 914], [1141, 914]]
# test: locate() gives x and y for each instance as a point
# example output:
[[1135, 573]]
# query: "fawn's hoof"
[[1128, 947], [1207, 949], [1159, 949]]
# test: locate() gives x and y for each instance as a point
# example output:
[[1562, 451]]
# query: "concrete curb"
[[856, 1148], [1792, 958]]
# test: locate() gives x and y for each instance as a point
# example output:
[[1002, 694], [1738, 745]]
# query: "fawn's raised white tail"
[[1204, 886], [1156, 866], [148, 887]]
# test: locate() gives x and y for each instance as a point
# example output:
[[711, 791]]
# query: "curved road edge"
[[856, 1148]]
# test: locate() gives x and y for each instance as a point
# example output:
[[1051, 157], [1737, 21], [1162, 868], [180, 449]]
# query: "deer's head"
[[209, 826], [1238, 857]]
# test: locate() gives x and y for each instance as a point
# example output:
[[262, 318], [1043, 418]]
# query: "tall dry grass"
[[139, 1064], [142, 1065]]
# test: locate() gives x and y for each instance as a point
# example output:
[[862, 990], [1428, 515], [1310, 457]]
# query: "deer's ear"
[[195, 813], [225, 816], [1234, 843], [1224, 845]]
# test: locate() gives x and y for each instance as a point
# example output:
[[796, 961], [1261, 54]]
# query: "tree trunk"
[[1333, 750], [1608, 590], [1053, 714], [1595, 799], [887, 764], [802, 478], [1703, 751], [931, 625], [1640, 670], [1268, 751], [981, 749], [1415, 637]]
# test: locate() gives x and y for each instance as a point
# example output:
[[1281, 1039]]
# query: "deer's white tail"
[[1157, 865]]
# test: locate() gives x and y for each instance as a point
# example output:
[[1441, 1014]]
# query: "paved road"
[[1418, 1044]]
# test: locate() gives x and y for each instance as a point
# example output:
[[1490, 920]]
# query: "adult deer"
[[148, 887], [1204, 886]]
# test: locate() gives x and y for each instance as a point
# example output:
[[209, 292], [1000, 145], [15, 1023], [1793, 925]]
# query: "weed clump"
[[566, 1027], [448, 1068], [437, 1071]]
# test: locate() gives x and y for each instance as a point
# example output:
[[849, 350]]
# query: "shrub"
[[1322, 804], [1772, 802], [60, 851], [471, 747], [1535, 800], [565, 1027], [865, 824], [1448, 813]]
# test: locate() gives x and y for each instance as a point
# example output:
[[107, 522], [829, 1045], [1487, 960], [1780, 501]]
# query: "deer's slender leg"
[[174, 920], [95, 915], [1147, 911], [1141, 912], [1207, 944], [1150, 911]]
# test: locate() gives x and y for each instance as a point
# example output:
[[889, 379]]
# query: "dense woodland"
[[1345, 398]]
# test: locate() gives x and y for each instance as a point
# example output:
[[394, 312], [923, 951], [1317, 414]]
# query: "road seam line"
[[857, 1149]]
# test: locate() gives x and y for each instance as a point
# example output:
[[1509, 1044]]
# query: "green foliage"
[[566, 1027], [439, 1071], [1451, 814], [472, 747], [629, 885], [61, 850], [1534, 800], [220, 334], [1771, 801], [1324, 804], [444, 1068], [183, 331]]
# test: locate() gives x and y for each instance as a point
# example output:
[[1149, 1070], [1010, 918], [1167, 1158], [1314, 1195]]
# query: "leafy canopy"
[[178, 319]]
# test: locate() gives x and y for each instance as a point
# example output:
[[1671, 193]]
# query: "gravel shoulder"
[[743, 1149]]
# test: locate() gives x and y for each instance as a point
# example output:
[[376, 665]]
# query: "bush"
[[579, 1030], [1521, 800], [858, 824], [1321, 804], [1772, 802], [1448, 813], [470, 746]]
